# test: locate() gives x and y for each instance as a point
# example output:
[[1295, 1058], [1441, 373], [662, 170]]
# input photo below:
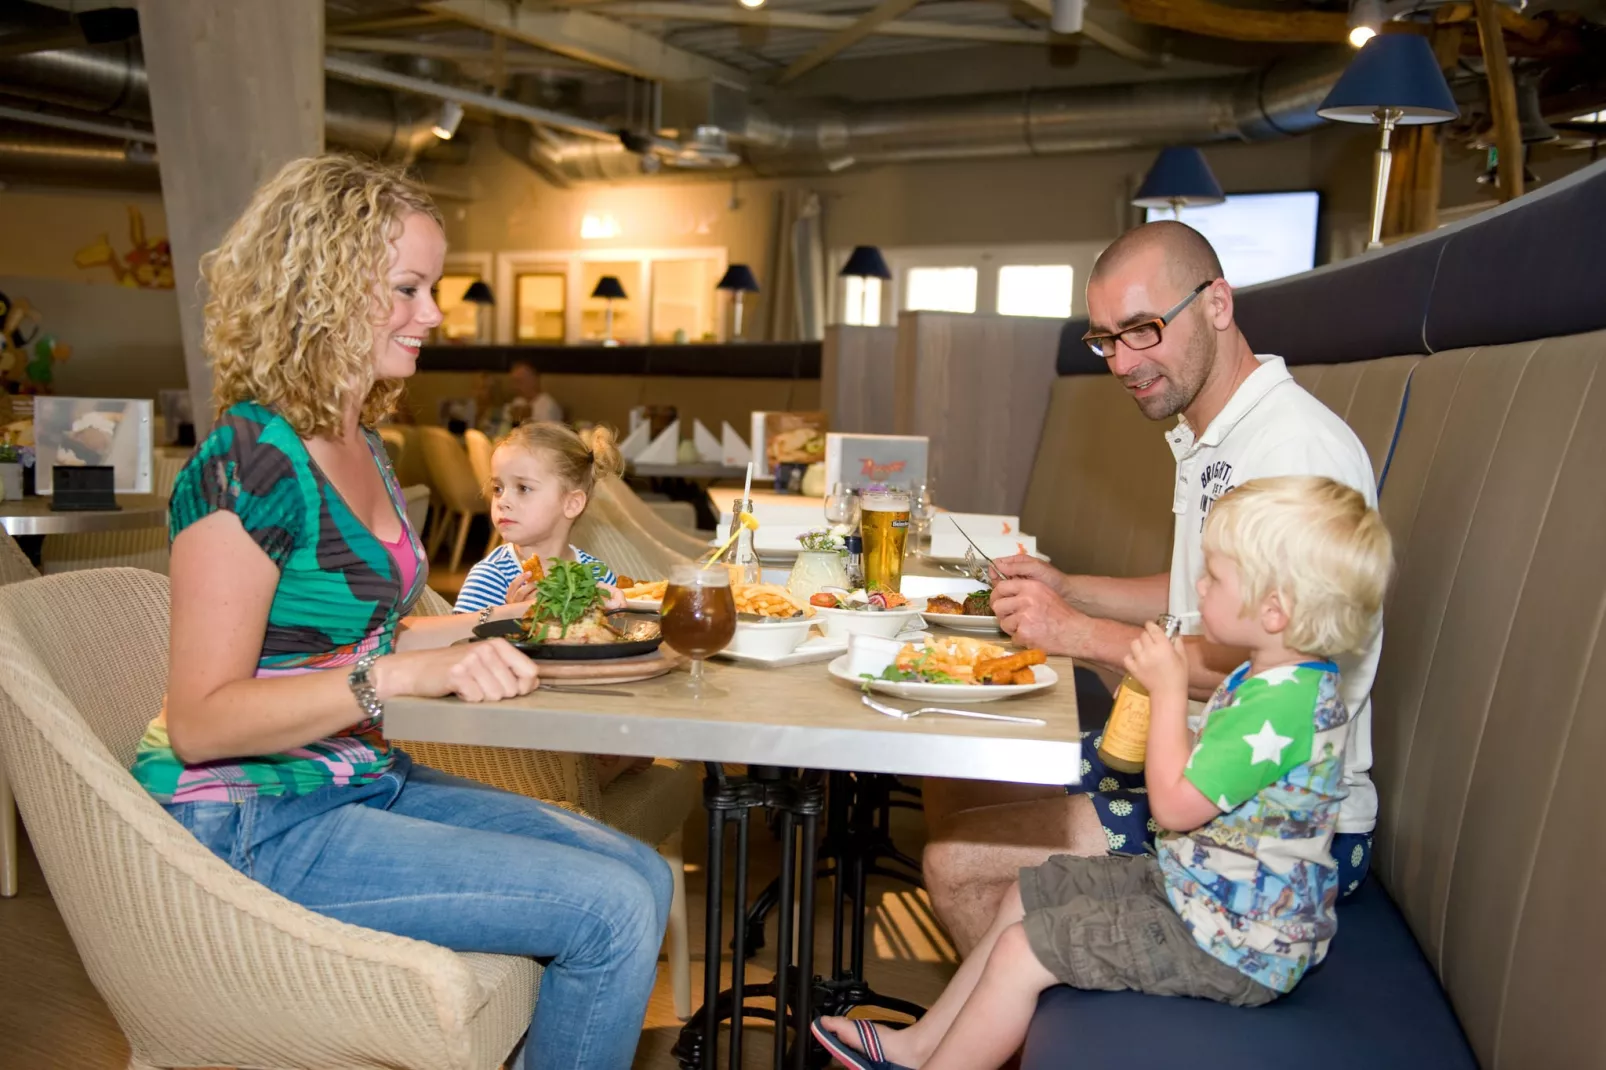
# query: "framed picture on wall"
[[94, 431]]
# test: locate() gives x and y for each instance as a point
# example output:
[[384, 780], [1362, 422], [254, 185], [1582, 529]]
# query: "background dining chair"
[[200, 965], [14, 568], [418, 499], [607, 532], [645, 517], [452, 476], [652, 805]]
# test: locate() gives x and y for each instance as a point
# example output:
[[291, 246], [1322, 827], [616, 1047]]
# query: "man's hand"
[[1032, 614], [1027, 567], [1158, 663]]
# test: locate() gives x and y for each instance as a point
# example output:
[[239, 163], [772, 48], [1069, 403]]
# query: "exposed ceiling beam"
[[521, 59], [1111, 32], [1211, 19], [848, 36], [391, 22], [803, 20], [599, 41]]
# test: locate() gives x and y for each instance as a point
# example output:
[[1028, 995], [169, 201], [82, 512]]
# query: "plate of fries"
[[953, 668], [769, 600], [646, 597]]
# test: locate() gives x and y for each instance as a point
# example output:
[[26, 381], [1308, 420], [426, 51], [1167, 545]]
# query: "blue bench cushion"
[[1374, 1003]]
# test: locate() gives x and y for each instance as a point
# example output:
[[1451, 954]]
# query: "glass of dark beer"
[[699, 618]]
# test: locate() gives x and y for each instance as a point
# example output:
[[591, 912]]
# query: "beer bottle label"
[[1126, 734]]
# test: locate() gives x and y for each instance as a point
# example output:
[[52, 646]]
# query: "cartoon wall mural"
[[148, 264], [27, 357]]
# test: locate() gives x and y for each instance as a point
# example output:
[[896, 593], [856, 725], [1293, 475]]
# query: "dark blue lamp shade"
[[1180, 178], [866, 262], [738, 278], [1392, 72], [608, 286], [478, 293]]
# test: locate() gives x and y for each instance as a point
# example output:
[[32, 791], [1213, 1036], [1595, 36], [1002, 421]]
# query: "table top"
[[725, 497], [696, 470], [33, 516], [797, 716]]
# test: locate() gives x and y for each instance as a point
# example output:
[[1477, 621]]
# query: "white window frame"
[[985, 258], [638, 285]]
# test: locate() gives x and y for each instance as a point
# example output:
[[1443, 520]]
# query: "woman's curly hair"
[[296, 291]]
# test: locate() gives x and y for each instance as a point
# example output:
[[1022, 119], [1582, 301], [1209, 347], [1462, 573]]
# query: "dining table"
[[795, 730], [29, 519]]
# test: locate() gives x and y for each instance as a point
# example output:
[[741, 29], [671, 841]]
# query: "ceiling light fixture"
[[1065, 16], [450, 117], [752, 5], [598, 226], [1365, 21]]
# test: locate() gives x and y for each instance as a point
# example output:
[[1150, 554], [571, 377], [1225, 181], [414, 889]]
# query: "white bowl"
[[840, 623], [769, 639]]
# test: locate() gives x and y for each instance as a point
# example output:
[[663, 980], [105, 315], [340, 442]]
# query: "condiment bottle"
[[743, 554], [1126, 734], [854, 546]]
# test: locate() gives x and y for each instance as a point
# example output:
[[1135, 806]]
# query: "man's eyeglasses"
[[1145, 335]]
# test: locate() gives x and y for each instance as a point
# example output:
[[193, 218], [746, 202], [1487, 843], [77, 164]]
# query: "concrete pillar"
[[236, 92]]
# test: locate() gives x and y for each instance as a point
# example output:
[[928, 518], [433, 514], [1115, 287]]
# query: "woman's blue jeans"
[[438, 858]]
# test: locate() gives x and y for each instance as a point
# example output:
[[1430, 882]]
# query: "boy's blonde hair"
[[580, 457], [292, 290], [1318, 546]]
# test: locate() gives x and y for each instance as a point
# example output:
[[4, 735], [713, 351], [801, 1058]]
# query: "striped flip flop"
[[869, 1058]]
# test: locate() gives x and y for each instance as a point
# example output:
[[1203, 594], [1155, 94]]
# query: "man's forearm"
[[1128, 600]]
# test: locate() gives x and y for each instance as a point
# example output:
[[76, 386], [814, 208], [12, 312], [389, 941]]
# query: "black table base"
[[798, 797]]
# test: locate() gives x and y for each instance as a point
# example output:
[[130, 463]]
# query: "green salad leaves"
[[564, 595]]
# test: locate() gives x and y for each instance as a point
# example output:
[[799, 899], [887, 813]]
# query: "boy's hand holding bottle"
[[1158, 663]]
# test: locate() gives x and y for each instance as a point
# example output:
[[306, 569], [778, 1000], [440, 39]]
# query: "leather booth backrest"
[[1489, 712], [1099, 498]]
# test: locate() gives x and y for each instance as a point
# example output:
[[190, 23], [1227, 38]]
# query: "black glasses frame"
[[1103, 345]]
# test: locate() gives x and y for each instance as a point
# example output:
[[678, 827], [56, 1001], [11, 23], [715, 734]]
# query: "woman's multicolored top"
[[340, 596]]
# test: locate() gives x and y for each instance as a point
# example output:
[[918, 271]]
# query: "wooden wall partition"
[[856, 378], [979, 387]]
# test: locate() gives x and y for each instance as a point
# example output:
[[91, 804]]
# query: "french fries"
[[971, 661], [768, 600], [649, 591]]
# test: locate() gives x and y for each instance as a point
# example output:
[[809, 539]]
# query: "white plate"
[[962, 623], [963, 694], [814, 648]]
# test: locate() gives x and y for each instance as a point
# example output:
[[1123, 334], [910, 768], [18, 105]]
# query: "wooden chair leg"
[[8, 837], [679, 929], [462, 537]]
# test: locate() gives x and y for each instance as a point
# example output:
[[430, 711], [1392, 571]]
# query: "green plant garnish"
[[918, 673], [564, 595], [821, 540]]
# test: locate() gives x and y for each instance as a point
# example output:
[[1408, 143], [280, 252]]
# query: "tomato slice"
[[823, 600]]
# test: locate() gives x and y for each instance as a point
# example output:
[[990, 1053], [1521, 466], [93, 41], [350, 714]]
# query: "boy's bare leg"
[[993, 1022], [913, 1046], [974, 855]]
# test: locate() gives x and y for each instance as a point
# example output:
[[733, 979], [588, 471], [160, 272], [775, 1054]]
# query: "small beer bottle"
[[1126, 734]]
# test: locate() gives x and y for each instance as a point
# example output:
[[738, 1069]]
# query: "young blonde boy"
[[1237, 903]]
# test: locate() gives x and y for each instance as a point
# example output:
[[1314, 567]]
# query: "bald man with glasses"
[[1161, 316]]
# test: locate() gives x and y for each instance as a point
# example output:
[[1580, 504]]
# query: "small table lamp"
[[609, 288], [479, 295], [865, 262], [1393, 81], [1179, 178], [738, 279]]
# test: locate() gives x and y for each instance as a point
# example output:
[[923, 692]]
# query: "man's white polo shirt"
[[1271, 426]]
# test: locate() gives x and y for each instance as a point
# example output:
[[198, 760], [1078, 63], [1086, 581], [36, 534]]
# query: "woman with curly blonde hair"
[[293, 569]]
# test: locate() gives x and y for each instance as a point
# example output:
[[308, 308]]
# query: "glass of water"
[[842, 508], [921, 509]]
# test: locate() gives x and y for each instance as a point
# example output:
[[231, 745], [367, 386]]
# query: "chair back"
[[604, 531], [450, 472], [647, 519], [417, 498], [479, 456]]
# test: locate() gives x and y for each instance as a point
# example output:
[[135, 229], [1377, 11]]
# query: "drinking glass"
[[885, 526], [842, 507], [921, 509], [699, 619]]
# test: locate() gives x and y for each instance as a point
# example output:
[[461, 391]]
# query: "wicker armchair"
[[647, 520], [607, 531], [200, 965], [14, 568], [451, 476], [651, 805]]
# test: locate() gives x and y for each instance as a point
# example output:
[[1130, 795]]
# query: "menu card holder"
[[83, 488]]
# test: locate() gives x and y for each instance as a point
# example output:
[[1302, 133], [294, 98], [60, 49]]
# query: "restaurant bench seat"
[[1487, 737]]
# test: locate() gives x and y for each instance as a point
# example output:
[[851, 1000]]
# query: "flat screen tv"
[[1258, 236]]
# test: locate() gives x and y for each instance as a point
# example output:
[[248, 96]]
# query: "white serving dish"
[[885, 623], [769, 639]]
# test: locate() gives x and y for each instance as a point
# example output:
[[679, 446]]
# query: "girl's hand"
[[1158, 664], [612, 597], [521, 589], [475, 672]]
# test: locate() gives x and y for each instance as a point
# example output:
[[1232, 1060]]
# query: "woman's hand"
[[475, 672], [1158, 663], [612, 597]]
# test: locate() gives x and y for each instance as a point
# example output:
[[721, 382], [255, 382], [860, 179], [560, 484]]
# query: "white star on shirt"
[[1282, 674], [1267, 745]]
